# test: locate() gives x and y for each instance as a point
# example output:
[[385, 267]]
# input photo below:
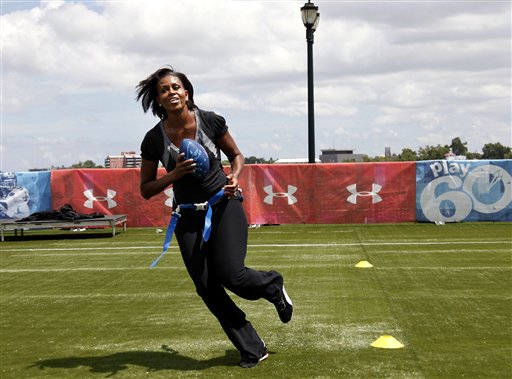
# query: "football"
[[193, 150]]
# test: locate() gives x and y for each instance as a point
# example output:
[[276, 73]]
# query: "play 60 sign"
[[464, 190]]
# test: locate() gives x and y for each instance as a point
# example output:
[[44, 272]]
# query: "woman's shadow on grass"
[[168, 359]]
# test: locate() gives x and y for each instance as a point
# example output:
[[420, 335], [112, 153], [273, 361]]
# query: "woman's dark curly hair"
[[148, 92]]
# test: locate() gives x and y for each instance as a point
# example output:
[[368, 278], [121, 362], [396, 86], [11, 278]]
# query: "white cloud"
[[219, 100], [397, 74]]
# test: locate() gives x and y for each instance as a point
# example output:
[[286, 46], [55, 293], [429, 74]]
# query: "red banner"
[[109, 191], [330, 193], [274, 194], [277, 194]]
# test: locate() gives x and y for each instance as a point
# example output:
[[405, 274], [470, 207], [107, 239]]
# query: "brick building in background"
[[127, 159]]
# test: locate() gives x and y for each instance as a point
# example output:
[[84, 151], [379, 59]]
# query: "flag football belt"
[[206, 206]]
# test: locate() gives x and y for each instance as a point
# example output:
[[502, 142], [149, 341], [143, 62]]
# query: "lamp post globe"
[[310, 15]]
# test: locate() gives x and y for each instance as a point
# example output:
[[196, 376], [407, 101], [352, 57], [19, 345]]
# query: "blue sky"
[[398, 74]]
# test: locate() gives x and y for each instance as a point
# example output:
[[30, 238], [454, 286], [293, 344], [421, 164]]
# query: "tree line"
[[426, 153], [457, 147]]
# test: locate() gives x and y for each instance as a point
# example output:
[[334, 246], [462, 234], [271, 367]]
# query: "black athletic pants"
[[219, 264]]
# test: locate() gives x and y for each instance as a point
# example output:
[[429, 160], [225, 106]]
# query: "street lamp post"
[[310, 18]]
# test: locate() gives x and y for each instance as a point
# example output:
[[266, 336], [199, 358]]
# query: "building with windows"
[[127, 159], [338, 156]]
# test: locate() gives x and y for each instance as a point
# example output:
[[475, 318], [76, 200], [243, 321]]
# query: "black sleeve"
[[214, 125], [152, 145]]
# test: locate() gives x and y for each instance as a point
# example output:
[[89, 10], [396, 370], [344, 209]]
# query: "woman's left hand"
[[232, 186]]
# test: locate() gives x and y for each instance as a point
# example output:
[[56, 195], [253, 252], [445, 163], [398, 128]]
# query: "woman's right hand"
[[151, 184], [183, 167]]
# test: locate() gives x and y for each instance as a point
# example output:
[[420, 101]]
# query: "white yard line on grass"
[[494, 250], [444, 268], [461, 242], [302, 232], [84, 248], [294, 266], [429, 243], [154, 295], [20, 270], [88, 254]]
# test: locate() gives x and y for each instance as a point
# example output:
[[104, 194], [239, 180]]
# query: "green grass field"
[[85, 305]]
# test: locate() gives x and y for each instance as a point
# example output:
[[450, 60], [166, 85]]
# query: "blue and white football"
[[193, 150]]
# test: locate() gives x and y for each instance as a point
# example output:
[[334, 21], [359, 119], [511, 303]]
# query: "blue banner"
[[23, 193], [453, 191]]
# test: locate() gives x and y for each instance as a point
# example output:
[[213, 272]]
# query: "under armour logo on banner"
[[269, 199], [111, 203], [373, 193]]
